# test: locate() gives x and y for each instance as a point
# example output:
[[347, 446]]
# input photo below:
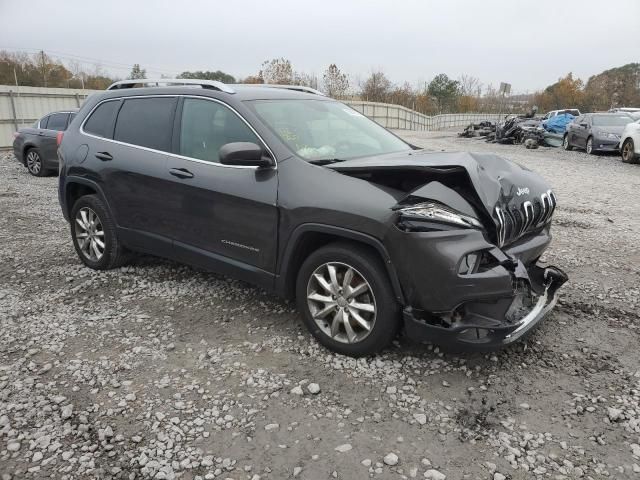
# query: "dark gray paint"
[[249, 222]]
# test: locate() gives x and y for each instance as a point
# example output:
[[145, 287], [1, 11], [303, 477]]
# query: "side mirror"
[[584, 125], [246, 154]]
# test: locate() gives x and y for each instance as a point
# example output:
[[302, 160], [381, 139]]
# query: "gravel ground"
[[161, 371]]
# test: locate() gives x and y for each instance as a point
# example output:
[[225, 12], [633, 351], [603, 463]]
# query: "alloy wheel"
[[590, 146], [627, 151], [34, 163], [565, 141], [89, 234], [341, 302]]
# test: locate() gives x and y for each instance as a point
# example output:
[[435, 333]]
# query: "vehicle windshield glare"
[[325, 130], [611, 120]]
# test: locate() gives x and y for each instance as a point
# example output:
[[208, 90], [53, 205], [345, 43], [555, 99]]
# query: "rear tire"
[[565, 143], [628, 152], [590, 150], [34, 163], [94, 234], [346, 300]]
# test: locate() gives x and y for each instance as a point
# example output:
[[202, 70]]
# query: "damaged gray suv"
[[304, 196]]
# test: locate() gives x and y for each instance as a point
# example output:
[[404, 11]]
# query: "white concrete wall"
[[32, 103]]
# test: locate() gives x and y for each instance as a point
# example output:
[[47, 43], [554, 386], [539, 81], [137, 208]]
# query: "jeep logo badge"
[[522, 191]]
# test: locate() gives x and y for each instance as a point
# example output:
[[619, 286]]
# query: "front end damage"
[[484, 324], [465, 241]]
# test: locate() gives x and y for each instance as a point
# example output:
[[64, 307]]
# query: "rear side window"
[[100, 122], [43, 121], [57, 121], [206, 126], [146, 122]]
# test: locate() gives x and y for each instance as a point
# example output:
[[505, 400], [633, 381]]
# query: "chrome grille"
[[529, 216]]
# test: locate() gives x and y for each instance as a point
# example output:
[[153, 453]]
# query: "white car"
[[630, 142], [573, 111]]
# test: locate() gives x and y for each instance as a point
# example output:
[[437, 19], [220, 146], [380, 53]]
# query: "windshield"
[[325, 130], [611, 120]]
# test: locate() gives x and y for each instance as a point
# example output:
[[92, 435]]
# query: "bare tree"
[[305, 79], [470, 85], [335, 82], [277, 71], [376, 88]]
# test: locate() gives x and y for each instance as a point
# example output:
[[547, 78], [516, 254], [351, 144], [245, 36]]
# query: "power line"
[[89, 60]]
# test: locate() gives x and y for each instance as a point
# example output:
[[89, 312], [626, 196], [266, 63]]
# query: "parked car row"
[[596, 132]]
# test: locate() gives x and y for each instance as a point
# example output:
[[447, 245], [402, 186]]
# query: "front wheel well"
[[310, 241]]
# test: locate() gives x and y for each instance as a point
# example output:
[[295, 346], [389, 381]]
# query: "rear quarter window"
[[147, 122], [100, 122]]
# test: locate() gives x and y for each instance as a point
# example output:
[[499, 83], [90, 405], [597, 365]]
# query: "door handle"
[[40, 134], [104, 156], [181, 173]]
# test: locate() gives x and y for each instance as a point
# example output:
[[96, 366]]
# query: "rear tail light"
[[59, 138]]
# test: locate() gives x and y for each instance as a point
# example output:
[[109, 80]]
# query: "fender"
[[294, 239], [68, 180]]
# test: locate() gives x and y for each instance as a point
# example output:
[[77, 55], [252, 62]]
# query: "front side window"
[[325, 130], [147, 122], [57, 121], [43, 121], [206, 126], [100, 122]]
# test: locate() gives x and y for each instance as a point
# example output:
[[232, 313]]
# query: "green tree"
[[445, 91], [137, 72]]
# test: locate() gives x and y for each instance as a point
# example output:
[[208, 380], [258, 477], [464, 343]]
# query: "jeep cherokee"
[[300, 194]]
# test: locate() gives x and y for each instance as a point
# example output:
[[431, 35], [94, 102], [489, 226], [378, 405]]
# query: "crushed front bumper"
[[481, 325]]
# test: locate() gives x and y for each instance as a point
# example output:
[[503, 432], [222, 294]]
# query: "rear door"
[[224, 216], [56, 122], [131, 158]]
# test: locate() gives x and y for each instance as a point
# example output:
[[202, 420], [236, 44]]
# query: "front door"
[[227, 218]]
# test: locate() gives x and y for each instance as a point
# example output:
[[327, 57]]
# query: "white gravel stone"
[[432, 474], [343, 448], [421, 418], [271, 426], [391, 459], [297, 390], [13, 446], [313, 388]]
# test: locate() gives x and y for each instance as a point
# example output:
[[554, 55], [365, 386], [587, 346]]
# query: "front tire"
[[590, 150], [94, 234], [34, 163], [346, 300], [628, 152], [565, 143]]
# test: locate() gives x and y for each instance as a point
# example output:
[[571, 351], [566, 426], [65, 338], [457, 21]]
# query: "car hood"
[[507, 192]]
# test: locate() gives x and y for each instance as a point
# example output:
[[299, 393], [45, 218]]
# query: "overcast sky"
[[529, 44]]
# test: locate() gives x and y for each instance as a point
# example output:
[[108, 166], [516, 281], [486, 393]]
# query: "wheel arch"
[[307, 238], [75, 187]]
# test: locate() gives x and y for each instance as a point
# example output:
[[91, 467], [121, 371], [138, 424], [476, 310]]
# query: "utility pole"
[[44, 75]]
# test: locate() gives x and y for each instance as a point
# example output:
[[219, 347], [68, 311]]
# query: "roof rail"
[[298, 88], [144, 82]]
